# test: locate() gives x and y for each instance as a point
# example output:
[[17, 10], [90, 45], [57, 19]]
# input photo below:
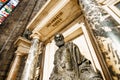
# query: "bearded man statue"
[[69, 64]]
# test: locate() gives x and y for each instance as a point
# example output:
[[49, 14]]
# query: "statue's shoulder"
[[68, 43], [71, 44]]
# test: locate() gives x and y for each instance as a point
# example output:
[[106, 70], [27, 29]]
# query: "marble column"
[[31, 63], [23, 46], [15, 68], [107, 36]]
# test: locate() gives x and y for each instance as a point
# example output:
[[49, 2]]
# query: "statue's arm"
[[79, 57], [55, 59], [55, 69], [85, 66]]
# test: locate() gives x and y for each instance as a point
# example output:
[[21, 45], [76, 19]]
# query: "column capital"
[[36, 35], [23, 46]]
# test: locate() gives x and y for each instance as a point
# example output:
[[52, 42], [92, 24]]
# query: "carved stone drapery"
[[106, 34]]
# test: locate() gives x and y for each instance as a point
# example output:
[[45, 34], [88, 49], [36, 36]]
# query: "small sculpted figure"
[[69, 64]]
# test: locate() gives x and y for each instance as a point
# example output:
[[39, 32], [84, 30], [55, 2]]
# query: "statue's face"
[[59, 39]]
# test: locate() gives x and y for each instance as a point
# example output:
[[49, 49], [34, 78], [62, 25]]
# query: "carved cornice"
[[53, 17], [23, 46]]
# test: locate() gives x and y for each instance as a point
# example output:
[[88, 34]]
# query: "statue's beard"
[[60, 43]]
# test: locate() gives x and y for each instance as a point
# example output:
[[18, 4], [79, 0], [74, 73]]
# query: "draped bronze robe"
[[69, 64], [66, 63]]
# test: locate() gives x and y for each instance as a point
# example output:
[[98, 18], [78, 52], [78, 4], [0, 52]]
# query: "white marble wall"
[[49, 58]]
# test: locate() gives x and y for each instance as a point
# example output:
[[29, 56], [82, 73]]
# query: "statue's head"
[[59, 39]]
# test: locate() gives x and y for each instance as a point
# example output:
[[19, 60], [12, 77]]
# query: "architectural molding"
[[23, 46], [53, 17]]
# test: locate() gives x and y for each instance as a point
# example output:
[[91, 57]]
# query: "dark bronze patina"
[[69, 64]]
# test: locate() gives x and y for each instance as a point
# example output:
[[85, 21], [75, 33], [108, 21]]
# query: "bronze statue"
[[69, 64]]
